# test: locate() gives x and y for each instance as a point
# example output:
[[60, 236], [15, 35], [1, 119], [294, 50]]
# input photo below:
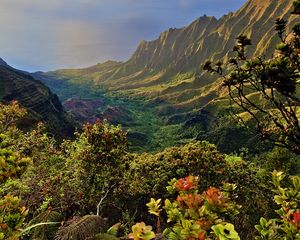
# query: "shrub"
[[192, 215]]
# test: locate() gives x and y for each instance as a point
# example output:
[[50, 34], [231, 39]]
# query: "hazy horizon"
[[38, 35]]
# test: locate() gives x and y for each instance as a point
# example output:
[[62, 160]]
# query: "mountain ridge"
[[174, 59], [38, 99], [167, 74]]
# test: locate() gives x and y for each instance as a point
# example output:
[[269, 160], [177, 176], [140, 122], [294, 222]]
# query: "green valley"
[[166, 75], [195, 137], [147, 130]]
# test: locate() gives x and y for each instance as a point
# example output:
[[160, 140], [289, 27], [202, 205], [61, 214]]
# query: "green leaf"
[[264, 232], [258, 227], [263, 221], [278, 199], [225, 231], [296, 182], [154, 206]]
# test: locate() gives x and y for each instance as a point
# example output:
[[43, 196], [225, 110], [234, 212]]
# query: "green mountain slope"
[[166, 72], [41, 103]]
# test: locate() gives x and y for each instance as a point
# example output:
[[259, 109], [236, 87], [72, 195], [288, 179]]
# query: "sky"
[[41, 35]]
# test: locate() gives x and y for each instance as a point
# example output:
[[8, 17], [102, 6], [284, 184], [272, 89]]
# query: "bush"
[[192, 215]]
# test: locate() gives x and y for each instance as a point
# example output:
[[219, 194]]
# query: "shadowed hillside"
[[35, 97]]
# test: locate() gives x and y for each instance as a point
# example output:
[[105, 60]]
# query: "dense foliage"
[[80, 187], [288, 198], [274, 83], [60, 190], [193, 215]]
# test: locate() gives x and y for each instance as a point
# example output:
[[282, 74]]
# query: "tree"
[[93, 164], [274, 83]]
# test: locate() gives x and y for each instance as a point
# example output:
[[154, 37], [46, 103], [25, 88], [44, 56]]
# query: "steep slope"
[[42, 104], [166, 73], [167, 70]]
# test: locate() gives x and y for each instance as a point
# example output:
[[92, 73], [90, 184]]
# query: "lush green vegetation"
[[95, 187], [267, 91], [66, 190], [33, 95], [148, 131]]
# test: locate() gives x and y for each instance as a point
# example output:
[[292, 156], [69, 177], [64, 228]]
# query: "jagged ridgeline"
[[41, 103], [167, 71]]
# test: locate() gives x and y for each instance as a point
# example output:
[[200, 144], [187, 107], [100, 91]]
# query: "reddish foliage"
[[186, 184], [201, 236], [215, 197], [296, 218], [194, 201]]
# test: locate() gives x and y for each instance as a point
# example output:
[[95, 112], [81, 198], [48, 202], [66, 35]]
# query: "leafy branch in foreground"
[[288, 225], [267, 90]]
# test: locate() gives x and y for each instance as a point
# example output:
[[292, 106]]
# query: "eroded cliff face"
[[172, 46], [167, 74], [208, 37], [41, 103], [168, 70]]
